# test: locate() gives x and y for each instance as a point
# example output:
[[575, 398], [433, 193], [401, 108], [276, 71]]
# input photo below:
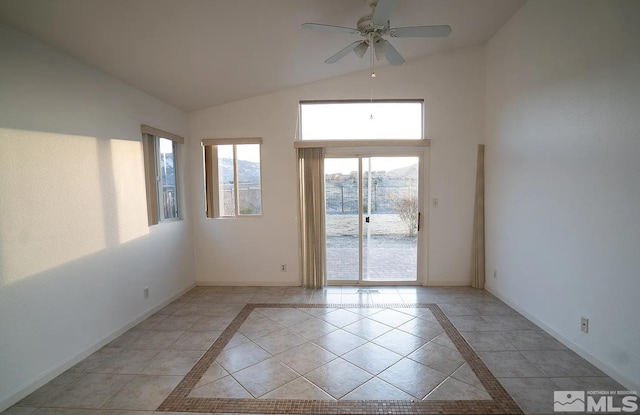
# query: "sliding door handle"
[[419, 214], [366, 219]]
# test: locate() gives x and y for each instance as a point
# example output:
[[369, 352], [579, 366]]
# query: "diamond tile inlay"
[[340, 358]]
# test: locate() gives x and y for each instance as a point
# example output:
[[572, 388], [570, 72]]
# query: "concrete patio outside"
[[390, 254]]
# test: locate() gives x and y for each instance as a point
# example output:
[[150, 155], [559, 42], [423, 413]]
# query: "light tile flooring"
[[338, 352]]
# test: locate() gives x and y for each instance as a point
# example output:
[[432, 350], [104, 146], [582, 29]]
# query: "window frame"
[[152, 164], [211, 177]]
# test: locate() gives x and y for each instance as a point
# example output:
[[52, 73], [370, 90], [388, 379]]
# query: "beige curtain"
[[311, 180], [477, 271]]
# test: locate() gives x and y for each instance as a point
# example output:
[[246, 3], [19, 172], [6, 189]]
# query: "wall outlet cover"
[[584, 324]]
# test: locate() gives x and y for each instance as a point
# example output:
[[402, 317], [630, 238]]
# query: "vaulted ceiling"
[[195, 54]]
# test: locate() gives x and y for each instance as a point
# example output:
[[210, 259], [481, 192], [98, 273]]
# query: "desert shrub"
[[407, 208]]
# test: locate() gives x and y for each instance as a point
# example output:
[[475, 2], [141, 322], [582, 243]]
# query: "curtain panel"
[[311, 182], [478, 260]]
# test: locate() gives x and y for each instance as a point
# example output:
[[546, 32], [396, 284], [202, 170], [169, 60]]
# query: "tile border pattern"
[[179, 401]]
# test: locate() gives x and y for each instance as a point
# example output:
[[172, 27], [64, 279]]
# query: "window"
[[166, 177], [365, 120], [232, 177], [160, 156]]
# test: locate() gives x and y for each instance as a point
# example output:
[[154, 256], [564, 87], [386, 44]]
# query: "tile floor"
[[369, 358], [347, 350]]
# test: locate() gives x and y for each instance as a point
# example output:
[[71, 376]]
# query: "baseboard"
[[247, 284], [623, 380], [51, 374], [447, 283]]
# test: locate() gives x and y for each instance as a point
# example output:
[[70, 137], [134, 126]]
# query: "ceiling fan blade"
[[393, 56], [344, 52], [382, 12], [330, 28], [421, 31], [379, 46], [361, 49]]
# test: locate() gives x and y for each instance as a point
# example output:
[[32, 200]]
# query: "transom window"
[[355, 120]]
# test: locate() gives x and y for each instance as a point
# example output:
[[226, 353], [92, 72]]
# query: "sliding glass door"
[[372, 218], [342, 218]]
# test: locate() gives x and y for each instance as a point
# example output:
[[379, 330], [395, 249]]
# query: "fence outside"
[[343, 198], [249, 198], [169, 202]]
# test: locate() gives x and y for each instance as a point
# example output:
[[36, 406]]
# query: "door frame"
[[423, 196]]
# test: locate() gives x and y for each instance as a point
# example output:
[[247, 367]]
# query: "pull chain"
[[373, 61], [373, 72]]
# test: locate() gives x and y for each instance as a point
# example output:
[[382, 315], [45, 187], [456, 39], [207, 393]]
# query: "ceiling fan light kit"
[[373, 27]]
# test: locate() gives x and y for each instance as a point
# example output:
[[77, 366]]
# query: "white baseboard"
[[247, 284], [51, 374], [447, 283], [622, 379]]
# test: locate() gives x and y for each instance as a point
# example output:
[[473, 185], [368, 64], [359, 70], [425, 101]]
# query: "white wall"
[[250, 250], [75, 248], [563, 174]]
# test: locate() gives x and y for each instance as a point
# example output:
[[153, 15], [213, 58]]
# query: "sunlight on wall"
[[129, 182], [63, 197], [51, 205]]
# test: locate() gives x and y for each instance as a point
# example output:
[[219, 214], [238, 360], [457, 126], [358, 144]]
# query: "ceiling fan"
[[373, 27]]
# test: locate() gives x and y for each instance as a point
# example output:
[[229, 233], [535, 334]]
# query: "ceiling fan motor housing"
[[365, 26]]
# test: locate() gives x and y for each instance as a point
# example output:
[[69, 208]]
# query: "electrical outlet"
[[283, 267], [146, 292], [584, 324], [435, 202], [495, 274]]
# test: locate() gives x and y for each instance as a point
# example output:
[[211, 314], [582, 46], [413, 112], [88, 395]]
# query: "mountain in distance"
[[403, 172], [248, 171]]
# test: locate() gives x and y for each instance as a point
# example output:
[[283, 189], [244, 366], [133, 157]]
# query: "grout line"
[[178, 399]]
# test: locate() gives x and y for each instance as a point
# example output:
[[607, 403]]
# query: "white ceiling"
[[195, 54]]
